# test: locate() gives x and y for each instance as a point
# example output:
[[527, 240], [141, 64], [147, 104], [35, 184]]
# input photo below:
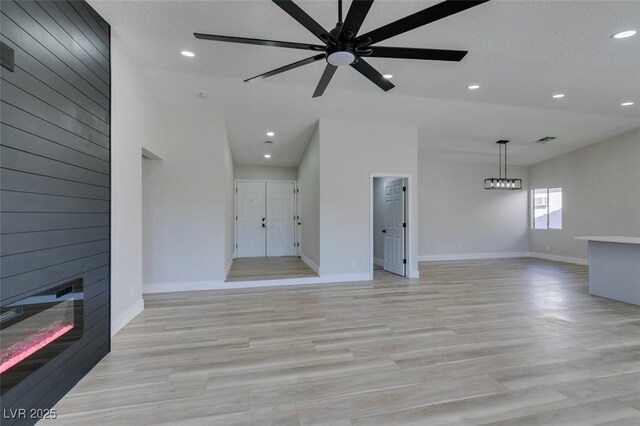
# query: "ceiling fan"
[[343, 46]]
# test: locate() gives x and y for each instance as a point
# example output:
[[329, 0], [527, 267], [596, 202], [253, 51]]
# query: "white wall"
[[149, 172], [459, 218], [309, 186], [266, 173], [137, 122], [349, 153], [229, 200], [600, 190], [188, 219]]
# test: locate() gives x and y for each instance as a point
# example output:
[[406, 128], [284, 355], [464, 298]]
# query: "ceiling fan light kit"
[[340, 58], [343, 46], [503, 182]]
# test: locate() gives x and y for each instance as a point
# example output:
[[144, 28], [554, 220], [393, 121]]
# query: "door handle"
[[384, 231]]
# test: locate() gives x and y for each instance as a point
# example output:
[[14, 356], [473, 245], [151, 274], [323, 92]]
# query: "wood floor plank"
[[480, 410], [394, 399], [513, 341], [609, 411], [268, 268]]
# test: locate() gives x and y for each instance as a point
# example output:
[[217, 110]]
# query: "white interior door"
[[394, 226], [281, 219], [251, 218]]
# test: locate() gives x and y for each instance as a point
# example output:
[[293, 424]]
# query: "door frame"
[[235, 207], [409, 213]]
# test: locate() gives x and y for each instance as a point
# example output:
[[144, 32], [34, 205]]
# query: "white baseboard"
[[479, 256], [414, 274], [117, 323], [310, 263], [471, 256], [222, 285], [379, 262], [546, 256]]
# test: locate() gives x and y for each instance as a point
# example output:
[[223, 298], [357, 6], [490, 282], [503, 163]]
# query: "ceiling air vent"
[[546, 139]]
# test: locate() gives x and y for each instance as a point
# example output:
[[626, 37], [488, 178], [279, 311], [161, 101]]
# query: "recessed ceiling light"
[[388, 76], [267, 156], [187, 53], [626, 104], [558, 96], [625, 34], [270, 134], [474, 87]]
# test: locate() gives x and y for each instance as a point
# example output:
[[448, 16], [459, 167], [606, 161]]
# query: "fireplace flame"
[[22, 350]]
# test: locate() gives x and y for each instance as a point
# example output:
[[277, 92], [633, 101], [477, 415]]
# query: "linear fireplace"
[[36, 328]]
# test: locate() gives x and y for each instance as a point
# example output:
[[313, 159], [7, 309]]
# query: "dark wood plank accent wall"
[[55, 176]]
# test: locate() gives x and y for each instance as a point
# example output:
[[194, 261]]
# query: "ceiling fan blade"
[[413, 53], [418, 19], [370, 72], [303, 18], [288, 67], [259, 42], [355, 17], [324, 80]]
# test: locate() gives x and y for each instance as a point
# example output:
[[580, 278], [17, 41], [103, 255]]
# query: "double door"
[[266, 219]]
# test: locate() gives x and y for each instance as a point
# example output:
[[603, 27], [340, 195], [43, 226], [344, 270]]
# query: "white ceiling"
[[520, 52]]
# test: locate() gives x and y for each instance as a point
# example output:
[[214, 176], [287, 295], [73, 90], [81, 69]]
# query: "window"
[[547, 208]]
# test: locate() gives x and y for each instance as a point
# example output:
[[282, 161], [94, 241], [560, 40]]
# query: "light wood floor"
[[516, 341], [268, 268]]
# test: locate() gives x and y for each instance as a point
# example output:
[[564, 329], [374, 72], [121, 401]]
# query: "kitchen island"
[[614, 267]]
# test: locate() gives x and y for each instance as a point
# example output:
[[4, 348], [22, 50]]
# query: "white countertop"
[[612, 239]]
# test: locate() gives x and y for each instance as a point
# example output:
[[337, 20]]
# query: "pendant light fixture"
[[503, 182]]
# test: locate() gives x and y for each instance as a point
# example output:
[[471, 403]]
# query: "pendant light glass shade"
[[497, 183]]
